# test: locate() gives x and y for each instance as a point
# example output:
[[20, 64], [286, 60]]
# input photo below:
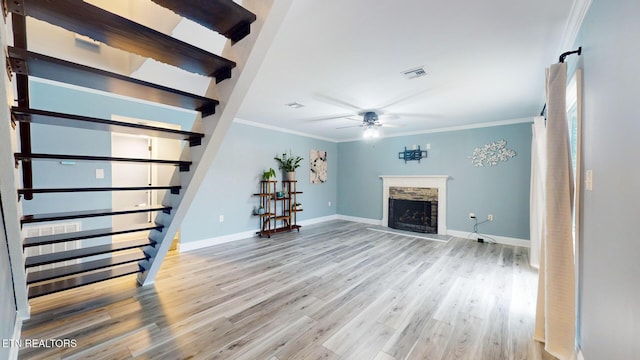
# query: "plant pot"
[[290, 175]]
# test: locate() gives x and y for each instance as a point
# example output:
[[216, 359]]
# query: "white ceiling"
[[485, 62]]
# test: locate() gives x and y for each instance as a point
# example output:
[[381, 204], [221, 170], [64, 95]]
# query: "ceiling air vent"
[[295, 105], [414, 73]]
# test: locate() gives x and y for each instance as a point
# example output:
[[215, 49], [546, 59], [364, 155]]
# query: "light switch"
[[99, 173], [588, 181], [428, 147]]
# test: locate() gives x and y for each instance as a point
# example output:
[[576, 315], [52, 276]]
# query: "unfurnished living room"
[[279, 179]]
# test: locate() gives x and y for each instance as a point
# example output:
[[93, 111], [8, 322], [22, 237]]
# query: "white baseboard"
[[462, 234], [499, 239], [318, 220], [360, 220], [17, 331], [195, 245], [199, 244]]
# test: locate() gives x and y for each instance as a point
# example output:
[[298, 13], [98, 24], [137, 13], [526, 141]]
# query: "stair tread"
[[50, 274], [91, 189], [45, 259], [29, 63], [119, 32], [37, 116], [21, 156], [223, 16], [82, 279], [89, 213], [88, 234]]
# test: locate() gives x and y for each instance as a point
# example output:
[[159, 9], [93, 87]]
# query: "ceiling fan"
[[371, 119], [370, 122]]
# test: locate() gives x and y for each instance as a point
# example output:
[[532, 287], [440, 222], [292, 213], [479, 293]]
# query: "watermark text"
[[39, 343]]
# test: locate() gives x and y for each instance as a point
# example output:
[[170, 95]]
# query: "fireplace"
[[426, 188], [414, 215]]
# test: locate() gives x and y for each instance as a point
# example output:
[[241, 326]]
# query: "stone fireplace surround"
[[422, 181]]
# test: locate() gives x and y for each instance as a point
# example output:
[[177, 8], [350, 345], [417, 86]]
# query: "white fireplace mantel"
[[421, 181]]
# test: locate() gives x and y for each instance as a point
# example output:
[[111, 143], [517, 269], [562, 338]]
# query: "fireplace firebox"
[[414, 215]]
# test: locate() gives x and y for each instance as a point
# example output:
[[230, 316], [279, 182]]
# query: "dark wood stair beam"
[[174, 189], [29, 63], [119, 32], [28, 219], [183, 165], [83, 279], [35, 116], [223, 16], [55, 257], [89, 234], [55, 273]]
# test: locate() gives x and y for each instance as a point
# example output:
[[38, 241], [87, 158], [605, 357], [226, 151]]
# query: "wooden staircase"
[[99, 262]]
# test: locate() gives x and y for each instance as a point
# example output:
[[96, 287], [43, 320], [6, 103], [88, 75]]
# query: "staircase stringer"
[[248, 54], [9, 180]]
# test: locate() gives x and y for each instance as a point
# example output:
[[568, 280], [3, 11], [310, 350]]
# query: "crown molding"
[[574, 23], [453, 128], [283, 130]]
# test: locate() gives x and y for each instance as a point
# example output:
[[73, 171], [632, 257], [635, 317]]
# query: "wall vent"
[[51, 229], [414, 73]]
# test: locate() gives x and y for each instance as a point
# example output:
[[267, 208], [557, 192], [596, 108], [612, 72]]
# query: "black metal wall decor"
[[409, 155]]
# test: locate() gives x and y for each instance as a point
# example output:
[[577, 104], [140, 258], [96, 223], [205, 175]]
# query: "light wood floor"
[[333, 291]]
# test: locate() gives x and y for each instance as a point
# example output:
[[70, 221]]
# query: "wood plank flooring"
[[333, 291]]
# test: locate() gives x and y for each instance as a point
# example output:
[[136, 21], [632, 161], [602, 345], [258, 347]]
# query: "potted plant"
[[288, 163], [268, 174], [259, 210]]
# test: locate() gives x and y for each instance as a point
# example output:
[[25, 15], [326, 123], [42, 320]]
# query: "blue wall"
[[227, 190], [62, 140], [609, 313], [248, 150], [501, 190]]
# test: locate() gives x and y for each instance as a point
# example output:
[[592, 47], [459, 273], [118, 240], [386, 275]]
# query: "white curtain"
[[555, 316], [537, 207]]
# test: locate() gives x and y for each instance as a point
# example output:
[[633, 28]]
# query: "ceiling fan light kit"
[[371, 132]]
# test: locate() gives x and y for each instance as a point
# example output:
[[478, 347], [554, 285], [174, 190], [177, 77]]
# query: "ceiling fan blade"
[[345, 127], [339, 103], [419, 116], [404, 98], [353, 119], [388, 116], [324, 118], [393, 125]]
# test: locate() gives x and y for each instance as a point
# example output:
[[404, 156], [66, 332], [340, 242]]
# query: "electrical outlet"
[[588, 182], [221, 218], [329, 203], [490, 217], [472, 215]]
